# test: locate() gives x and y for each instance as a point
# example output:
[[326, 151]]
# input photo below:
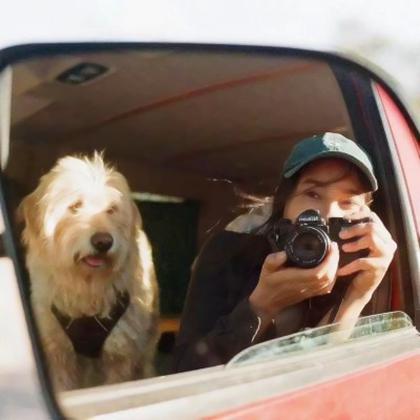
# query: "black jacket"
[[217, 321]]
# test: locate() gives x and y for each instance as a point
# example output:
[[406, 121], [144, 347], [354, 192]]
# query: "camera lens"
[[307, 247]]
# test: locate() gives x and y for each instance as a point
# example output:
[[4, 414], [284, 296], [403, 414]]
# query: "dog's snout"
[[102, 242]]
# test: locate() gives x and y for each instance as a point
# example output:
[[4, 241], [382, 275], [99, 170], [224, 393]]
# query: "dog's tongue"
[[94, 261]]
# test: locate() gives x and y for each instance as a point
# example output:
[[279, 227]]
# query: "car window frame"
[[406, 197], [12, 55]]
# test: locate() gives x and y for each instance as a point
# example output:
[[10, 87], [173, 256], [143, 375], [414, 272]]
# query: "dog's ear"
[[27, 213], [137, 223], [137, 220]]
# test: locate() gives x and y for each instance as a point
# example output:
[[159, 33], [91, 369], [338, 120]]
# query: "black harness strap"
[[88, 333]]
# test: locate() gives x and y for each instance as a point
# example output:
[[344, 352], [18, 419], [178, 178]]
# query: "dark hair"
[[281, 194]]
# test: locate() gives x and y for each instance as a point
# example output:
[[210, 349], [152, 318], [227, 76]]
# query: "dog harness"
[[88, 333]]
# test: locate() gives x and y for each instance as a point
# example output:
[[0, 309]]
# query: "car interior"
[[198, 133]]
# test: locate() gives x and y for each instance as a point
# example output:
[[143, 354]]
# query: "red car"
[[190, 125]]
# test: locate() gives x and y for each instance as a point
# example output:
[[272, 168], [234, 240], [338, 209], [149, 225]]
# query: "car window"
[[130, 173]]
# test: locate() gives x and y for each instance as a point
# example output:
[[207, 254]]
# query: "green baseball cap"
[[327, 145]]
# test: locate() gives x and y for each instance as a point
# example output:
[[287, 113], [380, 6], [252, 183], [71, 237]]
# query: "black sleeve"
[[217, 321]]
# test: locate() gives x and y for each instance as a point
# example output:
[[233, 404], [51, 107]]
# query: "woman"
[[243, 291]]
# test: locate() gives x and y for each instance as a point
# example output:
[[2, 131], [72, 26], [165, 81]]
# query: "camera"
[[307, 241]]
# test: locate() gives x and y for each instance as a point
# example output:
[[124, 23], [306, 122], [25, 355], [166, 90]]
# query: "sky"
[[325, 24], [240, 20]]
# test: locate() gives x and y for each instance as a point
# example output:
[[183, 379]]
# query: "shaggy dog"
[[93, 285]]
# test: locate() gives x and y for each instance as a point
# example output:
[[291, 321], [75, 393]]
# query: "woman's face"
[[328, 186]]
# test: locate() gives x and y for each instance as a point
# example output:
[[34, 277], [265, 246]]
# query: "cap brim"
[[365, 170]]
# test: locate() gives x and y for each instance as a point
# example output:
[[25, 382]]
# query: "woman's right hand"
[[279, 286]]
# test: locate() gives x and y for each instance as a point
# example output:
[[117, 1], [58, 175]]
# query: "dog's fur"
[[76, 199]]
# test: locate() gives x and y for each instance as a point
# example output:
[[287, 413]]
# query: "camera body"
[[307, 241]]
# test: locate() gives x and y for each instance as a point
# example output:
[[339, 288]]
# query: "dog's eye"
[[75, 206], [112, 209]]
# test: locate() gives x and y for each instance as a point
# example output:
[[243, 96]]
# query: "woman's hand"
[[371, 270], [279, 286]]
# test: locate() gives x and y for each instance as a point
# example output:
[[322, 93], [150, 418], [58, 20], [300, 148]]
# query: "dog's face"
[[81, 217]]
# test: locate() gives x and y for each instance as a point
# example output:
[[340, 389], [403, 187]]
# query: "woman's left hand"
[[370, 270]]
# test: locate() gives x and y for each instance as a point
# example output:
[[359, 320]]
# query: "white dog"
[[94, 291]]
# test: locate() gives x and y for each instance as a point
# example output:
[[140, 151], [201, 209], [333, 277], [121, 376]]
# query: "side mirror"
[[197, 136]]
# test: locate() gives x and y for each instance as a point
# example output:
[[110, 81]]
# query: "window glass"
[[132, 173]]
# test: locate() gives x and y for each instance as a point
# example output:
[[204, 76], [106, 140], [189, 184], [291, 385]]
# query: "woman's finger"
[[375, 226], [328, 265], [273, 262], [361, 229], [361, 264], [372, 242]]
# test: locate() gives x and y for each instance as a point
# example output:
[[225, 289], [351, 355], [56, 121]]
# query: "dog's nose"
[[102, 242]]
